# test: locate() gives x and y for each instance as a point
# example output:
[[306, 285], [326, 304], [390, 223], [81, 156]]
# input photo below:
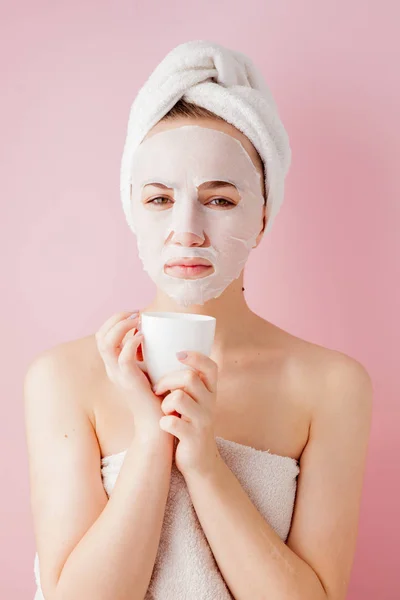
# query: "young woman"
[[266, 410]]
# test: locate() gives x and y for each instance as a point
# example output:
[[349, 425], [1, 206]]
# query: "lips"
[[188, 262]]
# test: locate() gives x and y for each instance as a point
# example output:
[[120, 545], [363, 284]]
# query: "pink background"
[[330, 267]]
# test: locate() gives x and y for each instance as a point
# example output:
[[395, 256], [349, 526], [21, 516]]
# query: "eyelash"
[[229, 203]]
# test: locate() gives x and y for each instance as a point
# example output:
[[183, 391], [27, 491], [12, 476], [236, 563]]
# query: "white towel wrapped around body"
[[225, 82], [185, 567]]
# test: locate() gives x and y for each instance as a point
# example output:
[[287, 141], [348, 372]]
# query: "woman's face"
[[196, 194]]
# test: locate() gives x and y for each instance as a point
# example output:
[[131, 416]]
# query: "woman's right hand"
[[118, 345]]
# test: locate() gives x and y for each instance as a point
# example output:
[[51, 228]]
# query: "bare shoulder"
[[347, 397], [339, 377], [75, 365], [319, 375], [74, 354], [57, 393], [340, 394]]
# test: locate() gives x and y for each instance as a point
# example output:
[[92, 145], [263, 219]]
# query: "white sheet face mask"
[[182, 159]]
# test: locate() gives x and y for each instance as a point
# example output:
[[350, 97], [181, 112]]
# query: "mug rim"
[[177, 315]]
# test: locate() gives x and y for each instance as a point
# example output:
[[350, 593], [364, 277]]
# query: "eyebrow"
[[208, 185]]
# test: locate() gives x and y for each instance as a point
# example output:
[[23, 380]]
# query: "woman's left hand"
[[193, 396]]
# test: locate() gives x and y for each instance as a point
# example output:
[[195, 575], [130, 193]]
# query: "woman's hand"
[[118, 344], [193, 396]]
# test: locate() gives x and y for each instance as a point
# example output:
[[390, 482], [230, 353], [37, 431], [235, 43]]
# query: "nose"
[[187, 239], [187, 220]]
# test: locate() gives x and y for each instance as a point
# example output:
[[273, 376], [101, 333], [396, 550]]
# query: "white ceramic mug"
[[166, 333]]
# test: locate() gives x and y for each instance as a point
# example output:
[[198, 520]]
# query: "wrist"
[[152, 436]]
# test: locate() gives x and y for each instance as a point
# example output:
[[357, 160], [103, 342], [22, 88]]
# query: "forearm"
[[115, 558], [255, 563]]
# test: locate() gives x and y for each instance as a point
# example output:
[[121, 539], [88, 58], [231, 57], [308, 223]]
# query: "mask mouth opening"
[[189, 272], [188, 262]]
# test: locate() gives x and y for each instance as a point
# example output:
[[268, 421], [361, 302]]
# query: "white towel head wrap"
[[225, 82]]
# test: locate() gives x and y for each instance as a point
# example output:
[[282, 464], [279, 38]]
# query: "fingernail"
[[181, 355], [133, 315]]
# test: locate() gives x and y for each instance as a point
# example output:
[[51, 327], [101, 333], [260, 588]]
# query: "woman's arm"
[[315, 562], [89, 546]]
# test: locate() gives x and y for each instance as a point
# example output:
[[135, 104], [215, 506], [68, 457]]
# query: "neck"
[[230, 310]]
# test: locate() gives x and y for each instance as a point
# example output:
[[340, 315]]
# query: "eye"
[[153, 200], [227, 202]]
